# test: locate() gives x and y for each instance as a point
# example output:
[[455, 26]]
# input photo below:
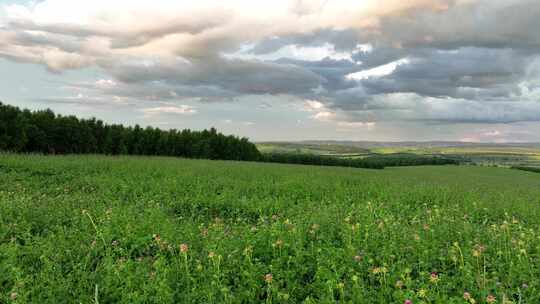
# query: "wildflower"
[[376, 270], [358, 258], [408, 302], [491, 299], [467, 296], [422, 293], [426, 227], [434, 277], [399, 284], [184, 248], [340, 285], [268, 278], [156, 237], [248, 250], [416, 237], [211, 255], [204, 232], [13, 296], [114, 243], [524, 286], [278, 244]]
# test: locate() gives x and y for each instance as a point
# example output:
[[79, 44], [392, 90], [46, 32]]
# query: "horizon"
[[370, 71]]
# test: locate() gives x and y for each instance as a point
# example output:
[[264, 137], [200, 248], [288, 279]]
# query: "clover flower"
[[491, 299], [184, 248], [434, 277]]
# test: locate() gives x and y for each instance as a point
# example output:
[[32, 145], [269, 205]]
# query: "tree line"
[[524, 168], [46, 132], [369, 162]]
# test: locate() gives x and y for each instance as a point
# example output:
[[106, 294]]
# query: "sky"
[[377, 70]]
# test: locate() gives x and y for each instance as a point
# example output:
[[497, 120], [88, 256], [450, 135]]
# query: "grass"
[[95, 229]]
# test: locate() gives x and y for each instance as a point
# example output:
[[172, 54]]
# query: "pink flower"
[[434, 277], [184, 248], [491, 299], [407, 302]]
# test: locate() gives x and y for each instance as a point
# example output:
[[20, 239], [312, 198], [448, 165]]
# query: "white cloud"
[[105, 83], [187, 28], [181, 109], [356, 125], [494, 133], [313, 105], [379, 71], [292, 51], [324, 116]]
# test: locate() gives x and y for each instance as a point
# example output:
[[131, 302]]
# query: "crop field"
[[97, 229]]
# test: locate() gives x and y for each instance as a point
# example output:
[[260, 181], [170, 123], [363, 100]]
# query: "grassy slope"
[[72, 225]]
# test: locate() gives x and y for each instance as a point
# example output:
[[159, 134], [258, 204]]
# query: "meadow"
[[98, 229]]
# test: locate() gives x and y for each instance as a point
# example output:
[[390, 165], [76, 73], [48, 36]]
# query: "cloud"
[[356, 125], [429, 61], [324, 116], [181, 109]]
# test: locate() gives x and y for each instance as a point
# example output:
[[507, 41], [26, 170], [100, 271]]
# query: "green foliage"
[[97, 229], [45, 132], [370, 162], [530, 169]]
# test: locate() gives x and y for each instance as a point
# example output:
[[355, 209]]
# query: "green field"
[[96, 229], [505, 155]]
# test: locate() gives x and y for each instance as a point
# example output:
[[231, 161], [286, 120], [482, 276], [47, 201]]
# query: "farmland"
[[482, 154], [97, 229]]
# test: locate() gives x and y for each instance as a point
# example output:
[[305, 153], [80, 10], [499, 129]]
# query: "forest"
[[49, 133]]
